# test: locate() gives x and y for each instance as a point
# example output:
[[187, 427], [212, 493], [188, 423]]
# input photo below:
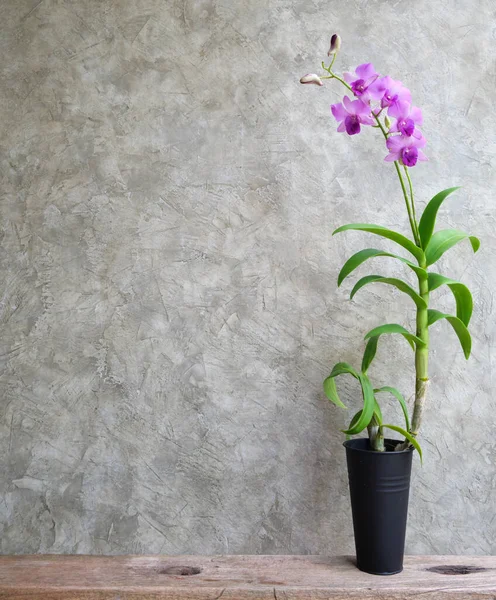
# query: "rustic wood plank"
[[58, 577]]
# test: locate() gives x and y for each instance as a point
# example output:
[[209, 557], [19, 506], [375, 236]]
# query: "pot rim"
[[348, 444]]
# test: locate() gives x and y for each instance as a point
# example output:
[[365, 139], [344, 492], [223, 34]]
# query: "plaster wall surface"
[[168, 292]]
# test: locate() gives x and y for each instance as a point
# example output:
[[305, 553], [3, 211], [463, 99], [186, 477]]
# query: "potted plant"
[[379, 467]]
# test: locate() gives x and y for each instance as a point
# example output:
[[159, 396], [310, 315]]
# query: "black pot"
[[379, 489]]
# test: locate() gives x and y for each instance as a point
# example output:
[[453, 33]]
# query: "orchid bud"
[[335, 45], [311, 78], [387, 122]]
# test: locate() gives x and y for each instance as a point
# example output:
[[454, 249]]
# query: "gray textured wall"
[[168, 290]]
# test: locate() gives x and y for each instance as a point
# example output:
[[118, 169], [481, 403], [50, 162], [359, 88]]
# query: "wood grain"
[[58, 577]]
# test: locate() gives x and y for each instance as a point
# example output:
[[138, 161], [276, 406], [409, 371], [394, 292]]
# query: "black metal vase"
[[379, 490]]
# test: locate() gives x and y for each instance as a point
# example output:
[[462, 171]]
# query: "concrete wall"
[[169, 303]]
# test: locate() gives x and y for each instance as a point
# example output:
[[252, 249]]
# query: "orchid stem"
[[413, 224], [410, 209], [412, 203], [334, 76]]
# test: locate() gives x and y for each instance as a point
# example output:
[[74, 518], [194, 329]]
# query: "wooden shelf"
[[59, 577]]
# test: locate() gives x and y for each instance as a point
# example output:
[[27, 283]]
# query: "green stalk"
[[412, 203], [376, 435], [410, 209], [413, 224], [421, 356]]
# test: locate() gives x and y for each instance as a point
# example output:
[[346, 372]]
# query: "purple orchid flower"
[[351, 115], [406, 149], [366, 83], [394, 93], [407, 118]]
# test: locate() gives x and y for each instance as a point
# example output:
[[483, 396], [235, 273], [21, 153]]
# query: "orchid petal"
[[348, 104], [365, 71], [339, 112], [416, 115]]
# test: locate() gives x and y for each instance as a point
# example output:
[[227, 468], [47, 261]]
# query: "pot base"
[[382, 574]]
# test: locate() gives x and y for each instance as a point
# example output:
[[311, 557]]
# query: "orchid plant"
[[380, 102]]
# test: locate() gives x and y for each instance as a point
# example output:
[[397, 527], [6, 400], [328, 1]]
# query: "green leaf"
[[397, 283], [395, 328], [360, 257], [378, 412], [369, 403], [369, 354], [330, 389], [400, 399], [354, 421], [463, 297], [443, 240], [331, 392], [408, 436], [428, 218], [341, 368], [459, 327], [386, 233]]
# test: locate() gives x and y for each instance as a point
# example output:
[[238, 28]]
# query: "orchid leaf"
[[341, 368], [369, 354], [400, 399], [463, 297], [378, 412], [360, 257], [428, 218], [369, 404], [354, 421], [330, 389], [397, 283], [386, 233], [395, 328], [458, 326], [408, 436], [443, 240], [331, 392]]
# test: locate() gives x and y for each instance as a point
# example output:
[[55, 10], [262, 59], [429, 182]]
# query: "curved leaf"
[[443, 240], [408, 436], [386, 233], [395, 328], [330, 389], [369, 354], [428, 218], [341, 368], [397, 283], [459, 327], [354, 421], [378, 412], [400, 399], [369, 403], [463, 297], [331, 392], [360, 257]]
